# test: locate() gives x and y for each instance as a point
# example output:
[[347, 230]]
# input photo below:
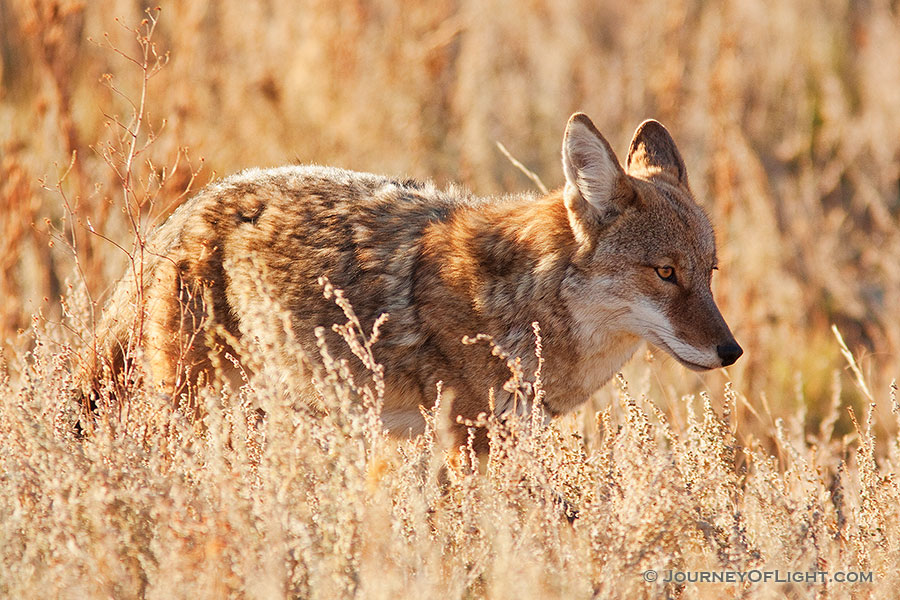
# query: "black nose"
[[729, 352]]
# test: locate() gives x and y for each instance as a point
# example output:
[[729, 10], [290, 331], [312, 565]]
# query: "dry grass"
[[787, 115], [151, 505]]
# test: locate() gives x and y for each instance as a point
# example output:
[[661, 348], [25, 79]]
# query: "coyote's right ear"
[[597, 190], [654, 151]]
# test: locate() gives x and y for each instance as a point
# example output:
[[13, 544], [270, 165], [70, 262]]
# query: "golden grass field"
[[788, 116]]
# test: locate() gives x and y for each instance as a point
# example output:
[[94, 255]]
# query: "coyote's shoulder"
[[617, 255]]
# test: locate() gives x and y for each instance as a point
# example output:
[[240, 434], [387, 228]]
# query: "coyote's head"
[[646, 249]]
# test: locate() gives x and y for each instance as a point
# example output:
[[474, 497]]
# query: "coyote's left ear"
[[597, 189], [653, 151]]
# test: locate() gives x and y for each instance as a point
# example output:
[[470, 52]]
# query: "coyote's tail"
[[103, 366]]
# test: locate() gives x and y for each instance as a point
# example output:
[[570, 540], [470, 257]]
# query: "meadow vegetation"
[[787, 116]]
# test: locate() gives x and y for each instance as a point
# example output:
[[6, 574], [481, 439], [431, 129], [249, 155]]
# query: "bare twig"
[[860, 381], [528, 172]]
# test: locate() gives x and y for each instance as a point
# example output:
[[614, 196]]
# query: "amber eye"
[[666, 274]]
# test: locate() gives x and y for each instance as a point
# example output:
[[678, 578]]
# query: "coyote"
[[615, 256]]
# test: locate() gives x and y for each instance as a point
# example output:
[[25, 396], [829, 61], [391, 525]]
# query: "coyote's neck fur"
[[516, 262]]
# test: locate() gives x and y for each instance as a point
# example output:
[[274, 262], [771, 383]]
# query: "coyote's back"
[[615, 256]]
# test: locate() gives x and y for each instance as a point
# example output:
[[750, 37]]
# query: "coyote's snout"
[[618, 254]]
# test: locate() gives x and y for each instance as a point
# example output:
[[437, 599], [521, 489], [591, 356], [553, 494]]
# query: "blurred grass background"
[[787, 113]]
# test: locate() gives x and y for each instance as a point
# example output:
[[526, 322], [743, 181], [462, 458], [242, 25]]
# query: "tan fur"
[[443, 264]]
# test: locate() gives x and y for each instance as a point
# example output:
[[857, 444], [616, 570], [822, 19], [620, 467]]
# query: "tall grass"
[[289, 505], [786, 113]]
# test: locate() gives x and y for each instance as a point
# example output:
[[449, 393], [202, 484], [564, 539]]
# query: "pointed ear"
[[593, 174], [653, 151]]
